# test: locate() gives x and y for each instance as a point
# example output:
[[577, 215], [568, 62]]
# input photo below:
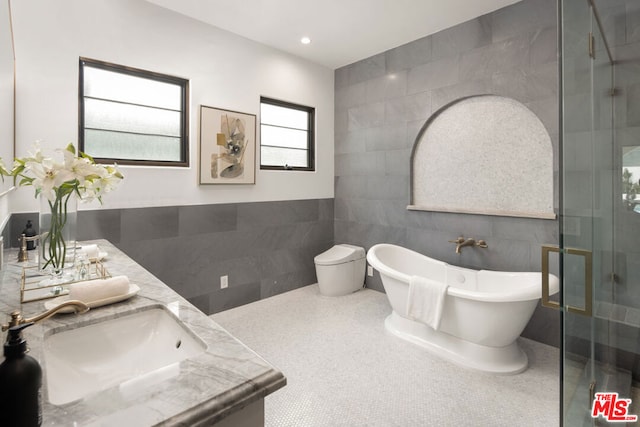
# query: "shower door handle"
[[588, 267], [546, 302]]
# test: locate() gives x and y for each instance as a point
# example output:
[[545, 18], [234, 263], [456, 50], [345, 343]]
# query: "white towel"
[[91, 251], [426, 300], [95, 290]]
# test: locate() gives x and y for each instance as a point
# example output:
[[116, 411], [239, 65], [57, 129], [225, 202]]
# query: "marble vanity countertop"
[[227, 377]]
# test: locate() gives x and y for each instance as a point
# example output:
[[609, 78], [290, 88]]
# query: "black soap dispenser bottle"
[[29, 232], [20, 382]]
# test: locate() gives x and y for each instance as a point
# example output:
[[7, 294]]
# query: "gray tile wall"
[[265, 248], [383, 101]]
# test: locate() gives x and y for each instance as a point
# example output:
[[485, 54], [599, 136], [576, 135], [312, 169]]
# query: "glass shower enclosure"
[[599, 216]]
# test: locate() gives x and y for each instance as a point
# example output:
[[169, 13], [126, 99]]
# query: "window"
[[286, 135], [132, 116]]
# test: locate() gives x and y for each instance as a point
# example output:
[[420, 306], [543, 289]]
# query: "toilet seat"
[[339, 254]]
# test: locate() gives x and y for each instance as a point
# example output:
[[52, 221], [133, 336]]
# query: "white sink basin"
[[139, 348]]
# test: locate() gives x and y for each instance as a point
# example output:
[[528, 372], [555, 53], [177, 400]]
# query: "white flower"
[[80, 167], [48, 176], [101, 183], [75, 174]]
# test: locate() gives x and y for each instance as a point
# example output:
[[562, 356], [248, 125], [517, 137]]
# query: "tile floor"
[[344, 369]]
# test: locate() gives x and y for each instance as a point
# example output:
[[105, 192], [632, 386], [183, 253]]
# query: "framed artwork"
[[227, 147]]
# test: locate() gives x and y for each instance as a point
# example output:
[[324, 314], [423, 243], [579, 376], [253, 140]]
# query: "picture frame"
[[227, 152]]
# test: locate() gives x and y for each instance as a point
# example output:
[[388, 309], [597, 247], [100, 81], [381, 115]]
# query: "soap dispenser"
[[20, 382], [29, 232]]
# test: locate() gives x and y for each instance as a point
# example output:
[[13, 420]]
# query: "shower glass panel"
[[588, 202]]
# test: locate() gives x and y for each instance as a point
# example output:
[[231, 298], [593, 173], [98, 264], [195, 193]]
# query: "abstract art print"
[[227, 146]]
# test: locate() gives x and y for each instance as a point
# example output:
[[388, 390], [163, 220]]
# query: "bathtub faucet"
[[461, 242]]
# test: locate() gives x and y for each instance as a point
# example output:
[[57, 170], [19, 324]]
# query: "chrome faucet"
[[17, 319], [461, 242]]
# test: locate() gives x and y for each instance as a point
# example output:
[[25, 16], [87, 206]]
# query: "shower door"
[[587, 199]]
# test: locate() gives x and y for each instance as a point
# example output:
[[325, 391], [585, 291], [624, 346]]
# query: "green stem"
[[55, 244]]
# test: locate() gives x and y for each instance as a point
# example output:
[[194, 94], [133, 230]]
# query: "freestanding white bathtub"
[[484, 311]]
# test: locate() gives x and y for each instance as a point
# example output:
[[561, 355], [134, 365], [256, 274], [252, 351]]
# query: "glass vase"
[[57, 250]]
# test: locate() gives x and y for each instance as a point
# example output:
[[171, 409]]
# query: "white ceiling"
[[342, 31]]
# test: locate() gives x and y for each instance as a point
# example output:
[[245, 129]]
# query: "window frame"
[[311, 134], [150, 75]]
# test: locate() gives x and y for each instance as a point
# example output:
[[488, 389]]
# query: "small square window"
[[132, 116], [286, 136]]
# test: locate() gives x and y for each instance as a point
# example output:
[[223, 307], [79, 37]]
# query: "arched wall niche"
[[483, 154]]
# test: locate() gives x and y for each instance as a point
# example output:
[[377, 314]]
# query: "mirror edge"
[[9, 189]]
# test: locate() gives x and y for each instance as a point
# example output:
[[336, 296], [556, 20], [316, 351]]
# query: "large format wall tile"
[[407, 56], [462, 38], [366, 69], [264, 248], [149, 223], [201, 219], [434, 74]]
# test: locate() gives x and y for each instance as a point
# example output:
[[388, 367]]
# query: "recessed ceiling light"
[[305, 40]]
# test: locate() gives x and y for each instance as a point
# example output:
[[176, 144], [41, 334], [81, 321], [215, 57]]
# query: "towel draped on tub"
[[426, 300]]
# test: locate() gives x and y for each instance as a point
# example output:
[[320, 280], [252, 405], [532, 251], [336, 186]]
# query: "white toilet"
[[340, 270]]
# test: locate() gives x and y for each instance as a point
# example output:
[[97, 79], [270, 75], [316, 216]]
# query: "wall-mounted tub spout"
[[461, 242]]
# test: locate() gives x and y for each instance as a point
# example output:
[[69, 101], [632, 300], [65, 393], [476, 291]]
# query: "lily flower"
[[75, 174]]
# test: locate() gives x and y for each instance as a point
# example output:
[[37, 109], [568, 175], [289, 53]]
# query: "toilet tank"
[[340, 270]]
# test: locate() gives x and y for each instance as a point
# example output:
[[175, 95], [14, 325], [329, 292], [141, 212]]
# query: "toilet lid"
[[340, 254]]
